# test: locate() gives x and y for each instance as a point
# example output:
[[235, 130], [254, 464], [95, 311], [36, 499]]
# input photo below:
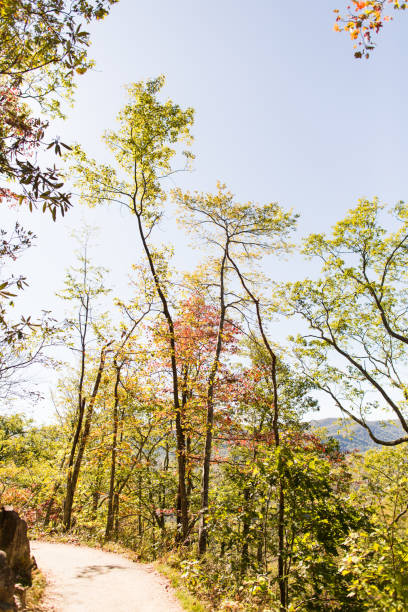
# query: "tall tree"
[[123, 353], [82, 287], [144, 148], [241, 233], [356, 350]]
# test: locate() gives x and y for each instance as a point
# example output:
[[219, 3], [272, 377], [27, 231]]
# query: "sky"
[[284, 112]]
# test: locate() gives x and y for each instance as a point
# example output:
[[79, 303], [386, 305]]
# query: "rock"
[[7, 588], [14, 542]]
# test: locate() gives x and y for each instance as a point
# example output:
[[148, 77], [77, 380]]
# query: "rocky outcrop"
[[14, 542], [15, 559]]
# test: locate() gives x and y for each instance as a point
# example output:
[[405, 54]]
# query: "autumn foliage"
[[364, 20]]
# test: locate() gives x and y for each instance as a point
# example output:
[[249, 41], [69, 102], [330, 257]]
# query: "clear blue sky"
[[283, 112]]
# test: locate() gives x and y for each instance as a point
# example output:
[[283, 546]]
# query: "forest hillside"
[[352, 436], [193, 267]]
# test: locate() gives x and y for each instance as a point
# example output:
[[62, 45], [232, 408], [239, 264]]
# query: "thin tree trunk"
[[282, 575], [164, 491], [116, 501], [117, 421], [139, 517], [202, 529], [180, 437], [282, 578], [178, 513], [189, 470], [55, 489], [69, 495], [95, 502], [110, 517], [245, 534], [73, 473], [50, 504]]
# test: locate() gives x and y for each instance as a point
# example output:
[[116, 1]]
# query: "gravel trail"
[[82, 579]]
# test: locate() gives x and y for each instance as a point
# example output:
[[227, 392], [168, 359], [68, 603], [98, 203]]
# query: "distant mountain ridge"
[[352, 436]]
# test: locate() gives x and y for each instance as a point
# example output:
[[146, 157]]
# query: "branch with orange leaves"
[[364, 21]]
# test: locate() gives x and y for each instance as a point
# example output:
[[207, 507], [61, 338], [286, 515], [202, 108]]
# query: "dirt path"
[[90, 580]]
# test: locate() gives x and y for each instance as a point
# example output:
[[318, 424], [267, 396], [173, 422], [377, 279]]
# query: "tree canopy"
[[357, 315], [43, 47]]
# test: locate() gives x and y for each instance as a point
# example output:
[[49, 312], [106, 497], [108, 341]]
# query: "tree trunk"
[[51, 501], [282, 578], [116, 501], [110, 517], [205, 483], [245, 534], [180, 438], [202, 533], [73, 472], [282, 574], [50, 505]]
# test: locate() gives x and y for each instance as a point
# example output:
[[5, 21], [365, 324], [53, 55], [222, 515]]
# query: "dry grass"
[[35, 593], [188, 601]]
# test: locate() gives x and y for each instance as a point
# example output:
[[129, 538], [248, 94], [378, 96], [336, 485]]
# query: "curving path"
[[82, 579]]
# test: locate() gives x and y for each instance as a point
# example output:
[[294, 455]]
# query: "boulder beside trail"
[[14, 542], [7, 586], [15, 560]]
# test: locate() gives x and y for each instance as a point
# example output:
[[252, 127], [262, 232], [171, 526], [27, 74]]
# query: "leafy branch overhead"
[[364, 20], [43, 47]]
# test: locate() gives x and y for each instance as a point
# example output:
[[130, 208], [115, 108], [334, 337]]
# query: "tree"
[[144, 147], [244, 515], [242, 233], [375, 562], [364, 21], [83, 286], [205, 341], [356, 351], [43, 47], [27, 464], [122, 355]]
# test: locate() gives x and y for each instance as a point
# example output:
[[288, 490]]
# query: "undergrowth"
[[35, 593]]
